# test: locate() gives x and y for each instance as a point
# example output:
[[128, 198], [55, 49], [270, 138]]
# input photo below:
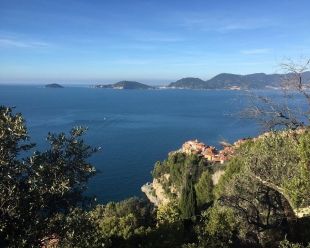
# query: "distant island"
[[233, 81], [222, 81], [53, 86], [125, 85]]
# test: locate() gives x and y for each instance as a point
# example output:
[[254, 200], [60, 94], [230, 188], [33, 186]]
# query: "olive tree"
[[39, 194], [280, 161]]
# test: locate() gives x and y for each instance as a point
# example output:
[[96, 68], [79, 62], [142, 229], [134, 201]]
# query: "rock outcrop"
[[155, 193]]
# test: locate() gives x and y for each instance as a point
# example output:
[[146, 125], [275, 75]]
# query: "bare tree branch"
[[292, 110]]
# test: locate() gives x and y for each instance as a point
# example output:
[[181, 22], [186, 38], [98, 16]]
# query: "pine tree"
[[204, 189]]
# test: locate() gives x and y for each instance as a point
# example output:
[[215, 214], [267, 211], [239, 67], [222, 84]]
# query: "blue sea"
[[134, 128]]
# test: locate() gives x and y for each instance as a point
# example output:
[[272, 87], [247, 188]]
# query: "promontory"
[[125, 85]]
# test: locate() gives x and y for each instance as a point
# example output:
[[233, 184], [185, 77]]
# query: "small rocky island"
[[125, 85], [53, 86]]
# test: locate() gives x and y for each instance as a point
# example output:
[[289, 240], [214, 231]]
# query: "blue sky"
[[152, 42]]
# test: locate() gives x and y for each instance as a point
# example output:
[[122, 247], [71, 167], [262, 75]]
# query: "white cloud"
[[17, 43], [11, 43], [255, 51]]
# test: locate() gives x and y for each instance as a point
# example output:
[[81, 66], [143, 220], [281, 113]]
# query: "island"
[[125, 85], [53, 86]]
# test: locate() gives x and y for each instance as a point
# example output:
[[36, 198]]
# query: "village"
[[211, 153]]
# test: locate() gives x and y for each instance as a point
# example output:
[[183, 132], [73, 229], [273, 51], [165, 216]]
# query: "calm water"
[[134, 128]]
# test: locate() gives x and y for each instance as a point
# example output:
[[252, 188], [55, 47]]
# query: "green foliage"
[[298, 187], [168, 213], [188, 203], [76, 229], [280, 161], [153, 192], [233, 168], [272, 158], [36, 190], [178, 166], [204, 189], [160, 169], [167, 234], [169, 229], [126, 223], [216, 228], [286, 244], [12, 175], [261, 183], [262, 210], [140, 208], [123, 232]]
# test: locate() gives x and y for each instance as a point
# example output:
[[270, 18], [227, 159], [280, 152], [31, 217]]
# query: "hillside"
[[53, 86], [233, 81], [189, 83], [124, 85]]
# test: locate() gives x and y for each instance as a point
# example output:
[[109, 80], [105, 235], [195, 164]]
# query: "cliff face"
[[192, 158], [155, 193]]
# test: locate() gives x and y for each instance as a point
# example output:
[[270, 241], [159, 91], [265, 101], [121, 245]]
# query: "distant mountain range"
[[125, 85], [233, 81], [220, 81]]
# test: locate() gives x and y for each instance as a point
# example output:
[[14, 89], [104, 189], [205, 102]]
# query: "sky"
[[153, 42]]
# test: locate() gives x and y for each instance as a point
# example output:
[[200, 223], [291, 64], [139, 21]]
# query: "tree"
[[12, 133], [270, 191], [292, 111], [263, 212], [168, 213], [35, 190], [216, 228], [280, 161], [188, 203], [233, 167], [204, 189], [126, 223]]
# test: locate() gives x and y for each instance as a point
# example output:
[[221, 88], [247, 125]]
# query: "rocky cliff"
[[155, 193]]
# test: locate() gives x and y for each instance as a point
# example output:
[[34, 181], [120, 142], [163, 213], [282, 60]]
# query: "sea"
[[134, 128]]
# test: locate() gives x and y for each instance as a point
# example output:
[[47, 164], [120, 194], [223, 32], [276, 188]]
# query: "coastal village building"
[[208, 152]]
